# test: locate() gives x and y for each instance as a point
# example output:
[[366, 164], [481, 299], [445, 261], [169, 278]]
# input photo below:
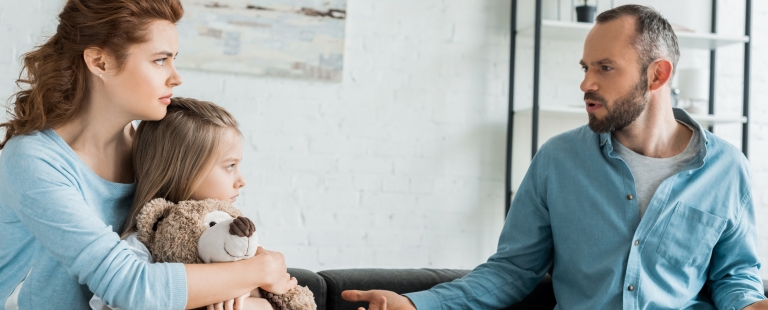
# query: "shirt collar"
[[680, 115]]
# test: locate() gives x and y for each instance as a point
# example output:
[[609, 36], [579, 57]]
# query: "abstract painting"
[[278, 38]]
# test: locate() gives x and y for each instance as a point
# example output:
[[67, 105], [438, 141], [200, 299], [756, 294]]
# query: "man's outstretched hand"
[[379, 300]]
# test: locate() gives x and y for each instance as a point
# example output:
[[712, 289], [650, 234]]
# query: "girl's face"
[[145, 85], [223, 181]]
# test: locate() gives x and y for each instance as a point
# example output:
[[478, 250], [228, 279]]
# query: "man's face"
[[615, 89]]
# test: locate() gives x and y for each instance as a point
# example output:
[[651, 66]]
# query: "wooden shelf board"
[[552, 29]]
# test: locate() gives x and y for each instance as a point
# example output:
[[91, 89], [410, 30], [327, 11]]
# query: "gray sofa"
[[327, 285]]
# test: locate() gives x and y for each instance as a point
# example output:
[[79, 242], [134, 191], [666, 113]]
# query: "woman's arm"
[[45, 192], [211, 283], [46, 189]]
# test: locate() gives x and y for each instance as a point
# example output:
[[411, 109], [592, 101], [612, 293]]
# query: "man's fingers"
[[354, 295], [351, 295], [209, 307]]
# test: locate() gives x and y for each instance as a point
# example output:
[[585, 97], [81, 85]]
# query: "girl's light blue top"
[[58, 234]]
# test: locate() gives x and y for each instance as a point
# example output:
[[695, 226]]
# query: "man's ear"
[[660, 72], [96, 60]]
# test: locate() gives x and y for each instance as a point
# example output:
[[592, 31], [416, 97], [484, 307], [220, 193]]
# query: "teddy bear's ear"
[[150, 216]]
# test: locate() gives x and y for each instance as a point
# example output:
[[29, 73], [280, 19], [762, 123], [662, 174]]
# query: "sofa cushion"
[[314, 282], [400, 281]]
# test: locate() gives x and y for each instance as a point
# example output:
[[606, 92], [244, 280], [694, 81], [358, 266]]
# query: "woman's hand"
[[209, 283], [271, 265], [760, 305], [232, 304]]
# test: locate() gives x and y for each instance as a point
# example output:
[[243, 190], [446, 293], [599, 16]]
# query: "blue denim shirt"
[[575, 213]]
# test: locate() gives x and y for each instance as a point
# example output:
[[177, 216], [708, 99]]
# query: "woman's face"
[[145, 85]]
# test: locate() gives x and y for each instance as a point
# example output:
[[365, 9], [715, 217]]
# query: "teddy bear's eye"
[[211, 224]]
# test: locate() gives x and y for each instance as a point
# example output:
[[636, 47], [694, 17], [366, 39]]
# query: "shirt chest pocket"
[[690, 236]]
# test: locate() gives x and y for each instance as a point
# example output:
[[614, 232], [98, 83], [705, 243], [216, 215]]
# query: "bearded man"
[[640, 209]]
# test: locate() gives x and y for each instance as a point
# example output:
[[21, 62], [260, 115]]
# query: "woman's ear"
[[150, 216], [95, 58]]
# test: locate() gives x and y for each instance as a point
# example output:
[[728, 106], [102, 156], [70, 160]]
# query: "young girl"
[[66, 178], [192, 153]]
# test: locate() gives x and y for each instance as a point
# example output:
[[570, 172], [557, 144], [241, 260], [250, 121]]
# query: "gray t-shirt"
[[650, 172]]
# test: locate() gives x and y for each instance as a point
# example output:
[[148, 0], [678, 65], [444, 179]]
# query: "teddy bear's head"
[[196, 231]]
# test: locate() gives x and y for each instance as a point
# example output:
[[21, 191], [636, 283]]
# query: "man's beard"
[[624, 111]]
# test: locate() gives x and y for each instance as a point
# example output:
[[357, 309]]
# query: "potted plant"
[[585, 13]]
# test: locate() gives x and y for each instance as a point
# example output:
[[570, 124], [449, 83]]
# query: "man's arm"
[[523, 256], [734, 279]]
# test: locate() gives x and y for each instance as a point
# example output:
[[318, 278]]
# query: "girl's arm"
[[256, 303], [211, 283]]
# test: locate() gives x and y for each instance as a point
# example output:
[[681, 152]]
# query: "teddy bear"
[[208, 231]]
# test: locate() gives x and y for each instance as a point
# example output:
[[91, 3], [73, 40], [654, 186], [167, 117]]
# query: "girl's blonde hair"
[[171, 156]]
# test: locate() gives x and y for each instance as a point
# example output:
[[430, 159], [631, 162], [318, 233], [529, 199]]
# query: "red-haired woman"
[[66, 178]]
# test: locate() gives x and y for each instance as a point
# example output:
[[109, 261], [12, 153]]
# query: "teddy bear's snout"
[[242, 227]]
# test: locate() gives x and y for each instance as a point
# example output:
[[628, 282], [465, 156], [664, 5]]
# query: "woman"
[[66, 179]]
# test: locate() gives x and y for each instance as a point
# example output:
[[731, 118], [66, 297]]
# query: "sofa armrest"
[[400, 281], [314, 282]]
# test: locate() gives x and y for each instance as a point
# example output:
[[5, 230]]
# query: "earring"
[[99, 74]]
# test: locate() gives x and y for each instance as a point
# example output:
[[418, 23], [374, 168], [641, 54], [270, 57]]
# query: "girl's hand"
[[232, 304], [275, 277], [256, 303]]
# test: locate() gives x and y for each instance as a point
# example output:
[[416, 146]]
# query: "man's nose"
[[588, 84], [242, 227]]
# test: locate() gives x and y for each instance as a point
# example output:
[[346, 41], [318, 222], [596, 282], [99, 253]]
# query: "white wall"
[[402, 163]]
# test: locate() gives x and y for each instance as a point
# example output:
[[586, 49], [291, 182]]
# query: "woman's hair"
[[55, 73], [173, 155]]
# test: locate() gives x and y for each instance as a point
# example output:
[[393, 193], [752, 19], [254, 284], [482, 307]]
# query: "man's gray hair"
[[654, 38]]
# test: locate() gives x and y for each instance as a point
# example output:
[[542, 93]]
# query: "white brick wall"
[[402, 163]]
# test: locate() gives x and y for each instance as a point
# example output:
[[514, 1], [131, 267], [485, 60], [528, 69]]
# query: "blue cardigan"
[[58, 233]]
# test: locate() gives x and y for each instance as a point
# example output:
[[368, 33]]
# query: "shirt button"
[[629, 197], [637, 242], [631, 288]]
